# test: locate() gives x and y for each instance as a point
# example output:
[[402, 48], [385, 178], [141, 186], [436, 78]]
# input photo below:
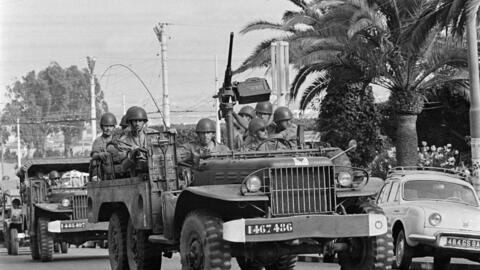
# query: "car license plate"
[[460, 242], [270, 228]]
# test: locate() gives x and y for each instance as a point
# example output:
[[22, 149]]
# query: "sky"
[[34, 33]]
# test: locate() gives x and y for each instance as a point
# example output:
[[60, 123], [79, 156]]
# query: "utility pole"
[[161, 32], [91, 67], [474, 94], [279, 68], [3, 147], [19, 154], [218, 135]]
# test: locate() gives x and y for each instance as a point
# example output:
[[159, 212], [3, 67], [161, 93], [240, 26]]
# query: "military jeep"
[[57, 212], [14, 221], [263, 208]]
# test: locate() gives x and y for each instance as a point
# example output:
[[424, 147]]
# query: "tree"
[[383, 42], [55, 99]]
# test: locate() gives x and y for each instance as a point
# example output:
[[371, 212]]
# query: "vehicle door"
[[382, 199]]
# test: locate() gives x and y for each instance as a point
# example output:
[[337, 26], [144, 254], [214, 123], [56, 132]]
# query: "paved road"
[[97, 259]]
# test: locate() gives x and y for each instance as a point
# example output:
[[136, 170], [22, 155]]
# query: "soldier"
[[264, 111], [244, 116], [131, 148], [99, 147], [257, 135], [284, 128], [192, 152], [119, 132], [53, 178], [123, 122]]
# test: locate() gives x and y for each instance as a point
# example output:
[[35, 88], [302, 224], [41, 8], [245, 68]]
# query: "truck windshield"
[[419, 190]]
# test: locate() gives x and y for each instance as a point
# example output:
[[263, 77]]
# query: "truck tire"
[[141, 254], [117, 239], [13, 241], [286, 262], [34, 248], [403, 252], [368, 253], [64, 247], [201, 243], [7, 241], [45, 240]]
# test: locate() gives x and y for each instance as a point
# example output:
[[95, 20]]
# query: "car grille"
[[79, 205], [302, 190]]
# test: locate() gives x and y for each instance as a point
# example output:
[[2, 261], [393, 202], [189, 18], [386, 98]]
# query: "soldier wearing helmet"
[[99, 147], [132, 146], [243, 118], [264, 111], [284, 128], [123, 122], [257, 135], [206, 144]]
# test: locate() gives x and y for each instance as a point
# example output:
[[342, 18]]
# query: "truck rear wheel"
[[368, 253], [13, 241], [141, 254], [117, 242], [201, 243], [45, 240]]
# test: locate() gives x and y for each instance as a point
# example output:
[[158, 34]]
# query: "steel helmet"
[[123, 122], [136, 113], [108, 119], [247, 110], [206, 125], [53, 174], [264, 107], [282, 113], [255, 125]]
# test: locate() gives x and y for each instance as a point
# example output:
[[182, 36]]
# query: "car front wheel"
[[403, 252]]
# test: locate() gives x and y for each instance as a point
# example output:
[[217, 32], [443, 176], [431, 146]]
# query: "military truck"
[[57, 211], [14, 221], [263, 208]]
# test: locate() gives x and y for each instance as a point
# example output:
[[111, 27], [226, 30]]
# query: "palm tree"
[[378, 42]]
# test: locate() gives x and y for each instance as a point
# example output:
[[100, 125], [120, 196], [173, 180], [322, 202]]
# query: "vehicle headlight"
[[65, 202], [344, 179], [435, 219], [253, 183]]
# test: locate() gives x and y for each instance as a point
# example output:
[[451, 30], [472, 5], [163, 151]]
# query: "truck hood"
[[230, 171]]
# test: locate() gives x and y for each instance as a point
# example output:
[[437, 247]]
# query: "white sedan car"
[[432, 212]]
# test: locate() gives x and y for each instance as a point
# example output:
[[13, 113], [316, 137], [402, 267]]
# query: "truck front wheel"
[[45, 240], [141, 254], [368, 253], [201, 243], [117, 242], [13, 241]]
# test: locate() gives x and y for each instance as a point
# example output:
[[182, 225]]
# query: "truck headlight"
[[65, 202], [253, 183], [344, 179], [435, 219]]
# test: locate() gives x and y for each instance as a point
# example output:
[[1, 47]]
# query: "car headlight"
[[435, 219], [344, 179], [65, 202], [253, 183]]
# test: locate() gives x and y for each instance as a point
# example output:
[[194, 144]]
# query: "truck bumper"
[[294, 227], [81, 225]]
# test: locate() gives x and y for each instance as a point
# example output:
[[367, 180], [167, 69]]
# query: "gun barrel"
[[227, 82]]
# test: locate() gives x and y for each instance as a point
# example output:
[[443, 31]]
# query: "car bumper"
[[315, 226], [81, 225], [468, 241]]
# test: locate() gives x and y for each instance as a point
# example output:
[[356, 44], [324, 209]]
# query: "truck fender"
[[52, 207]]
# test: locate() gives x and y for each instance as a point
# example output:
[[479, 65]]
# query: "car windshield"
[[418, 190]]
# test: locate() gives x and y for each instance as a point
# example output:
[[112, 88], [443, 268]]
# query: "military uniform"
[[190, 151], [100, 144]]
